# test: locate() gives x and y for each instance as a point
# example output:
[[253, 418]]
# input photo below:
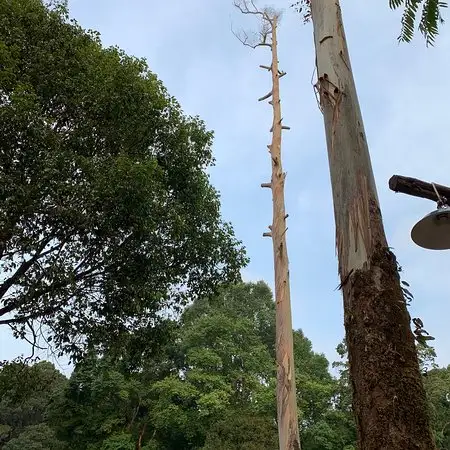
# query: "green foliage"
[[430, 17], [437, 385], [100, 404], [242, 430], [315, 386], [217, 386], [331, 424], [225, 365], [122, 441], [106, 207], [212, 388], [429, 20], [36, 437], [26, 394], [426, 355]]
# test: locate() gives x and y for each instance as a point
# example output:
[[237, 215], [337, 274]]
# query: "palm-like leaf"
[[430, 18]]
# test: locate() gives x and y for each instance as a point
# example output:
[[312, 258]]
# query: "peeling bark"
[[287, 417], [286, 392], [388, 395]]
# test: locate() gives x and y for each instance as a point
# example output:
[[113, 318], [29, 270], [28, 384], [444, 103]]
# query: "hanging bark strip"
[[286, 392], [388, 394]]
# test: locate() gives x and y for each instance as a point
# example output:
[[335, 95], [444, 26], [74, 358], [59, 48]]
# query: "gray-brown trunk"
[[388, 395]]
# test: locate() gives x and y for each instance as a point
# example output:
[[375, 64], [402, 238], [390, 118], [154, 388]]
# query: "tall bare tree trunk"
[[286, 392], [287, 417], [388, 394]]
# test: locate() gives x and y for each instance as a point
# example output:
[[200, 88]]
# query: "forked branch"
[[249, 7], [266, 15], [256, 40]]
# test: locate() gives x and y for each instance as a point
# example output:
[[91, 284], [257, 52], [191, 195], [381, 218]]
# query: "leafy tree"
[[242, 430], [228, 375], [314, 383], [437, 385], [229, 339], [213, 387], [225, 367], [427, 357], [101, 406], [26, 395], [106, 209], [121, 441], [36, 437], [328, 421]]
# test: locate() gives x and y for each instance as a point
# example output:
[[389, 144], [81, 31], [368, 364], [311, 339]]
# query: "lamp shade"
[[433, 231]]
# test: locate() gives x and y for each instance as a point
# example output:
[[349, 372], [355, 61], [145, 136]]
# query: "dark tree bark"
[[388, 394]]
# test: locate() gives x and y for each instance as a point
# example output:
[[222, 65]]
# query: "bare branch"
[[248, 7], [265, 67], [251, 42], [24, 319], [265, 97], [23, 268], [266, 16], [35, 294]]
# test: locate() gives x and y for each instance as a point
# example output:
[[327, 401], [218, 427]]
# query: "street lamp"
[[433, 231]]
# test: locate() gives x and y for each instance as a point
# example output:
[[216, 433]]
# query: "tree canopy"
[[212, 388], [107, 215]]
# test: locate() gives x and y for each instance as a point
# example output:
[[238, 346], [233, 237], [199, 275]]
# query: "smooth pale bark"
[[286, 392], [388, 394]]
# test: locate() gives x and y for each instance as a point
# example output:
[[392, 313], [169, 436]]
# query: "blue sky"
[[403, 90]]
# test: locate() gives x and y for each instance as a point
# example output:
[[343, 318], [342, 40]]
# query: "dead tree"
[[286, 392], [388, 394]]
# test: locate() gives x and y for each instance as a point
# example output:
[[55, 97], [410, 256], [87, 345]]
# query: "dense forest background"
[[210, 387]]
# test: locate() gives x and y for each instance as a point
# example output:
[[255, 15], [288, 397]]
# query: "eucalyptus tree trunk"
[[286, 392], [388, 395]]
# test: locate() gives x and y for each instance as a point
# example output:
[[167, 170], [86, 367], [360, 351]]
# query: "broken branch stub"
[[265, 97]]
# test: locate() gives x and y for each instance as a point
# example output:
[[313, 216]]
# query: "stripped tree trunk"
[[388, 394], [286, 392], [287, 417]]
